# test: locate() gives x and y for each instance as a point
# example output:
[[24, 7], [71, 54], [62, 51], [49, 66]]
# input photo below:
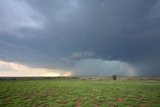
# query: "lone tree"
[[114, 77]]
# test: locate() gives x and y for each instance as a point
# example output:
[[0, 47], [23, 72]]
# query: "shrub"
[[114, 77]]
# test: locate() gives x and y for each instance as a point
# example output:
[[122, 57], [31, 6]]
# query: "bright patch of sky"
[[14, 69]]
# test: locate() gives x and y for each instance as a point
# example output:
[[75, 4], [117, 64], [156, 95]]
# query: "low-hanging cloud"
[[92, 67], [60, 34]]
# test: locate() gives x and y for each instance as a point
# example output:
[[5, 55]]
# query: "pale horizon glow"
[[10, 69]]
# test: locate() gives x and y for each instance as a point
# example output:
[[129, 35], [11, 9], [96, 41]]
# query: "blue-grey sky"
[[80, 37]]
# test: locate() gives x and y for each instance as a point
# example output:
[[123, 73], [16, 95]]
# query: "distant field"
[[79, 93]]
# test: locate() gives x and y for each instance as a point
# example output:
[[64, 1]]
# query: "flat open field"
[[79, 93]]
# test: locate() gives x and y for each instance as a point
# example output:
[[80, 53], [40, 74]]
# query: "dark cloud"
[[60, 33]]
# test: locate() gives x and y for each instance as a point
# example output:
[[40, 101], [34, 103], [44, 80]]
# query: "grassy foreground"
[[79, 93]]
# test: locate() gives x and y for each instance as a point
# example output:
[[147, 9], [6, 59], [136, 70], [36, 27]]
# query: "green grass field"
[[79, 93]]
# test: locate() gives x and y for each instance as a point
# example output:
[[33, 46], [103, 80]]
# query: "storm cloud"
[[98, 37]]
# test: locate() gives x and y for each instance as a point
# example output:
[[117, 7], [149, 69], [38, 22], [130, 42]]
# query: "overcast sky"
[[79, 37]]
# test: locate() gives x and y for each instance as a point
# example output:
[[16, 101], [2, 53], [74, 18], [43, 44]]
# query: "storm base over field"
[[79, 37]]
